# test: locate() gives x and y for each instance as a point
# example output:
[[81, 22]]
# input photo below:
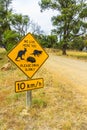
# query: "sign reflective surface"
[[28, 55]]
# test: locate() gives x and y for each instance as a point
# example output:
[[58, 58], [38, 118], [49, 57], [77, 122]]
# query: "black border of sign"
[[28, 80], [39, 45]]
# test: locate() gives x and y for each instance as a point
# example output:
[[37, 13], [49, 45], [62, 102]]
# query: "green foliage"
[[45, 4], [40, 103], [77, 43], [69, 20], [84, 12], [12, 26], [20, 23], [4, 22], [49, 41], [85, 42], [10, 38]]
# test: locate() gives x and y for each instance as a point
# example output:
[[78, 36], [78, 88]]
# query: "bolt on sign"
[[28, 55], [29, 85]]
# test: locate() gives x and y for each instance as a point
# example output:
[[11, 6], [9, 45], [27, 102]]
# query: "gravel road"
[[66, 70]]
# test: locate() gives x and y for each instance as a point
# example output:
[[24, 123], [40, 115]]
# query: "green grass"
[[39, 102]]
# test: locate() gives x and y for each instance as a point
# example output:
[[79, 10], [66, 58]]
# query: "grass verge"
[[57, 106]]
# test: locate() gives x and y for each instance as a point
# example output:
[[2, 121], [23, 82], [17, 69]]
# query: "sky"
[[32, 9]]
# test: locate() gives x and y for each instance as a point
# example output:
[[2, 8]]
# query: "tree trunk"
[[64, 48], [63, 51]]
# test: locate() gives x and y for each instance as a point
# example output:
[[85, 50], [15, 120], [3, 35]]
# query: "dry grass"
[[77, 54], [70, 54], [57, 106]]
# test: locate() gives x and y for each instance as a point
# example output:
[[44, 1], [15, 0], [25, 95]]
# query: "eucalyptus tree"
[[12, 26], [20, 23], [69, 21], [49, 41], [8, 37], [4, 14]]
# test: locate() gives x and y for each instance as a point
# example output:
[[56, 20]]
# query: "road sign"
[[21, 86], [28, 55]]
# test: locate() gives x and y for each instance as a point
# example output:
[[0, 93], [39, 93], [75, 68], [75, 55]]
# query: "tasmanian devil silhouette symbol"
[[37, 52], [21, 53]]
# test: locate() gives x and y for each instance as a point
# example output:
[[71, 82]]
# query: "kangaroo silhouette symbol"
[[20, 54]]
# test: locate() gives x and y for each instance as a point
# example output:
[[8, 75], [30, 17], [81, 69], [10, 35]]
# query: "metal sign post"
[[28, 99]]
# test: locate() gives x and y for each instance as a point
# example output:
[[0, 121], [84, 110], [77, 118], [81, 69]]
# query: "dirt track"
[[69, 71]]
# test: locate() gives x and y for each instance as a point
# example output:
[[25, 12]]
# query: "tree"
[[35, 28], [4, 21], [48, 41], [10, 38], [77, 43], [52, 41], [12, 26], [20, 23], [69, 20]]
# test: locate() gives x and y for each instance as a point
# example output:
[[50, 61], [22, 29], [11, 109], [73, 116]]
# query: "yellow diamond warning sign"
[[28, 55]]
